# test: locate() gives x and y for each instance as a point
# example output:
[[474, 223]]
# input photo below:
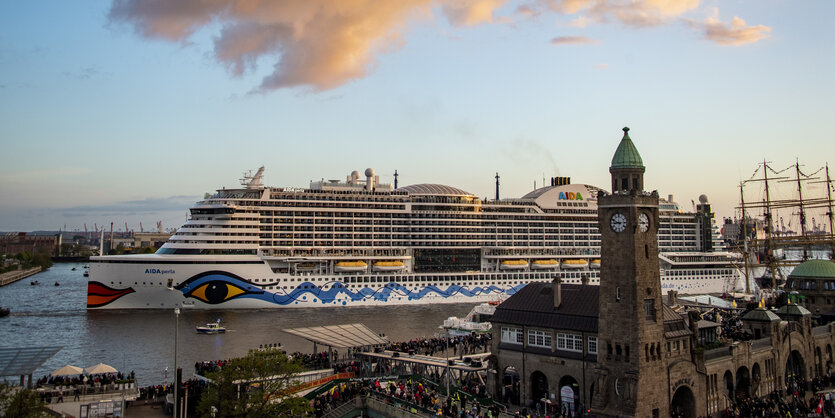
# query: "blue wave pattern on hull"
[[246, 289]]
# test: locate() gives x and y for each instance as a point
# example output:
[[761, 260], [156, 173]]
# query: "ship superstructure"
[[363, 242]]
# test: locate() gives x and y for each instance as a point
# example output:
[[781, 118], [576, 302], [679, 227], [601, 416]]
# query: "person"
[[76, 391], [60, 395]]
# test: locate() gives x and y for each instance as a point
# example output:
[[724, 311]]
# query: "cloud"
[[324, 44], [471, 12], [82, 74], [151, 205], [572, 40], [602, 66], [637, 13], [735, 34]]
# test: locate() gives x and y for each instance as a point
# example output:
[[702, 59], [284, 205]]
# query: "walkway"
[[13, 276]]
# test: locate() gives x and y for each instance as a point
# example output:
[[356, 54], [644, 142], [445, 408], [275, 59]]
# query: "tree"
[[19, 402], [254, 386]]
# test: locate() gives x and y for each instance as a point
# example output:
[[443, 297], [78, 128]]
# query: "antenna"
[[497, 186], [253, 181]]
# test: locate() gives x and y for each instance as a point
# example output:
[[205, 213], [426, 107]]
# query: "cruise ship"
[[361, 242]]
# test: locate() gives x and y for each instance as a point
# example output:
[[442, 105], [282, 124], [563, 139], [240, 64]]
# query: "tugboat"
[[211, 328]]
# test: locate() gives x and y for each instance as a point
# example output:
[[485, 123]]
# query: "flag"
[[819, 409]]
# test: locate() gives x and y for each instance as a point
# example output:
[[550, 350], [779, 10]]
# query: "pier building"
[[618, 350]]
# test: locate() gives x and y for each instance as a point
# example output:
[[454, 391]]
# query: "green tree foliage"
[[267, 374], [17, 402]]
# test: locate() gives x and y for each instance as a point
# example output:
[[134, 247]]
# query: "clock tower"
[[631, 324]]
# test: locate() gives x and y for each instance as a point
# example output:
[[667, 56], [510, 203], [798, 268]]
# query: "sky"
[[130, 110]]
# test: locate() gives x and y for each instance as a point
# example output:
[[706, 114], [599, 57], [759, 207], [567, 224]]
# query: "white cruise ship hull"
[[164, 282]]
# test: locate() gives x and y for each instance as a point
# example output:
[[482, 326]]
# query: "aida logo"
[[570, 196], [158, 271]]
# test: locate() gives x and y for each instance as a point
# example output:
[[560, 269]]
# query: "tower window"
[[635, 183], [649, 309], [624, 184], [646, 250]]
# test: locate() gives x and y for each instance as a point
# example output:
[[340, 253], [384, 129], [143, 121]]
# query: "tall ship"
[[361, 242]]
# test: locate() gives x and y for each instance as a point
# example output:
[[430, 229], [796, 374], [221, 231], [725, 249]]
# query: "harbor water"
[[143, 341]]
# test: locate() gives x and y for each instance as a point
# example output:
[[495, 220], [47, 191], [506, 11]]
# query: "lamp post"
[[176, 341]]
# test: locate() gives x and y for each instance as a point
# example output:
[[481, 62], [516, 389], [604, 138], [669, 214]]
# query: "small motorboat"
[[4, 312], [86, 273], [34, 283], [73, 269], [211, 328], [57, 284]]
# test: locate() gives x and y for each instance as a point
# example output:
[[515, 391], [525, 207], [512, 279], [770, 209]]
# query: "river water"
[[143, 341]]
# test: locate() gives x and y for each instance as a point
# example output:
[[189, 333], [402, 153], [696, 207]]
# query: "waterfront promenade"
[[13, 276]]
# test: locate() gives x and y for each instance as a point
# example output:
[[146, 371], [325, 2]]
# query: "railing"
[[761, 343], [821, 330], [716, 353]]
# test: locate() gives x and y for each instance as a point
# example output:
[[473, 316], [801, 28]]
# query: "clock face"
[[618, 222], [643, 222]]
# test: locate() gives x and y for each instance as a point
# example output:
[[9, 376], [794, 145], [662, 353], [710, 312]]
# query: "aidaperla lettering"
[[159, 271]]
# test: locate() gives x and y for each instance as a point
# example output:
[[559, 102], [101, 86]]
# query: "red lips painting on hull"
[[99, 294]]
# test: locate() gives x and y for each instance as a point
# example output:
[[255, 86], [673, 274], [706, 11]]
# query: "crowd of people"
[[467, 344], [409, 394]]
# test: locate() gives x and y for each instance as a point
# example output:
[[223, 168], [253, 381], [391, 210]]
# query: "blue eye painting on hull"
[[215, 287]]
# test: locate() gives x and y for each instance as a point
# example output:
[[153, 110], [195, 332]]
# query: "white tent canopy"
[[68, 370], [100, 368]]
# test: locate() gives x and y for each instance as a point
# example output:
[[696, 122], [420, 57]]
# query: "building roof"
[[627, 155], [793, 310], [20, 361], [348, 335], [760, 315], [434, 189], [533, 306], [823, 269]]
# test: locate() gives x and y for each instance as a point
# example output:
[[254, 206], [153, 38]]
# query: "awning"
[[345, 336], [21, 361]]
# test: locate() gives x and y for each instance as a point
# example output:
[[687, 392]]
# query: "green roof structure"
[[823, 269], [627, 155], [760, 315]]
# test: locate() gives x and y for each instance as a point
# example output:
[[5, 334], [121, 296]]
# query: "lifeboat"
[[351, 266], [513, 264], [574, 264], [595, 264], [388, 266], [545, 264]]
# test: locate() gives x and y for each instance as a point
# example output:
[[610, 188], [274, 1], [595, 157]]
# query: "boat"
[[574, 264], [351, 266], [73, 269], [514, 264], [545, 264], [34, 283], [86, 273], [57, 284], [4, 312], [595, 264], [211, 328], [477, 321], [388, 266], [362, 242]]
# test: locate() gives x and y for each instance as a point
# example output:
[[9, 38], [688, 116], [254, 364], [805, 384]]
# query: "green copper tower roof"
[[627, 155], [814, 268]]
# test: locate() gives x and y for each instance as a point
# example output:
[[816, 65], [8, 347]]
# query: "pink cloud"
[[572, 40]]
